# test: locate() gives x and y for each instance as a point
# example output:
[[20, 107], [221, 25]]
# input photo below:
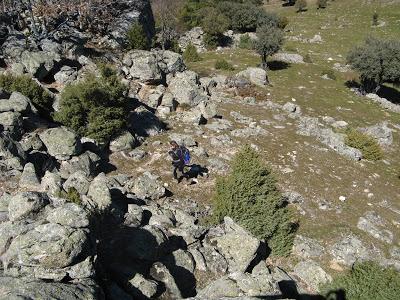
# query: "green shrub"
[[367, 280], [71, 195], [322, 3], [245, 42], [250, 197], [94, 107], [308, 59], [329, 73], [137, 38], [25, 85], [222, 64], [190, 54], [368, 146]]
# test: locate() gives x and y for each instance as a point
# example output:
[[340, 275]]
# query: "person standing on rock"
[[180, 158]]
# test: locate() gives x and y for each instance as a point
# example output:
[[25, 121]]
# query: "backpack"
[[186, 155]]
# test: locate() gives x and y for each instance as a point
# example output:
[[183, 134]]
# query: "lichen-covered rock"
[[256, 76], [348, 250], [79, 181], [100, 193], [146, 186], [312, 274], [69, 214], [87, 162], [66, 75], [375, 225], [17, 103], [237, 245], [143, 65], [51, 183], [11, 122], [125, 141], [306, 247], [29, 179], [23, 288], [140, 286], [24, 205], [38, 64], [61, 142], [186, 89]]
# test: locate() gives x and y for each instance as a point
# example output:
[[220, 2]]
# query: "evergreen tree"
[[250, 197]]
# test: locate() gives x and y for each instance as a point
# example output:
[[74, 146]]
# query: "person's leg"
[[175, 173]]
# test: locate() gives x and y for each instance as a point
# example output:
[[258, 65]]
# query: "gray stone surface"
[[79, 181], [312, 274], [17, 102], [348, 250], [186, 89], [237, 245], [124, 142], [256, 76], [22, 288], [146, 186], [100, 193], [29, 179], [375, 225], [25, 205], [61, 142]]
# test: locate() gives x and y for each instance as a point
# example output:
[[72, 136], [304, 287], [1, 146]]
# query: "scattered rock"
[[374, 225], [61, 142], [256, 76]]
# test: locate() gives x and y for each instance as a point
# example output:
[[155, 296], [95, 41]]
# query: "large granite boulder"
[[123, 142], [312, 274], [146, 186], [256, 76], [186, 89], [238, 246], [143, 65], [61, 142], [17, 103]]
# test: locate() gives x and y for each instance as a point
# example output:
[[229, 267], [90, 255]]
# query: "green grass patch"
[[367, 280], [222, 64]]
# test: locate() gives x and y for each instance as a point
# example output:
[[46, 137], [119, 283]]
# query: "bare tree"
[[166, 13]]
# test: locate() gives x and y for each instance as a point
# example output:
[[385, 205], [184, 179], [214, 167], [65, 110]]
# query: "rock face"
[[46, 239], [61, 142], [143, 65], [185, 87]]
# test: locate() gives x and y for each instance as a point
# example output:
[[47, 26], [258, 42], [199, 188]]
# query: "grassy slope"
[[326, 175]]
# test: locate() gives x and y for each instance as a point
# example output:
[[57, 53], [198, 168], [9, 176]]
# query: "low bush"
[[367, 280], [322, 3], [245, 42], [368, 146], [95, 107], [137, 38], [375, 18], [308, 59], [25, 85], [71, 195], [250, 197], [222, 64], [190, 54]]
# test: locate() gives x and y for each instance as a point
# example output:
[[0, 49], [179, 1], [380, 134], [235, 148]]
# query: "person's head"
[[174, 144]]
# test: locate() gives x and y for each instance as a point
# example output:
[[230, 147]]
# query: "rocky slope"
[[135, 234]]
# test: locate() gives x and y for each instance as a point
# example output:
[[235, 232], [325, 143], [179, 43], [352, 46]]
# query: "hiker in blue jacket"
[[180, 158]]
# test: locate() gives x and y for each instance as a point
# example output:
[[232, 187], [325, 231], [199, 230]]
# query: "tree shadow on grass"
[[390, 93], [277, 65]]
